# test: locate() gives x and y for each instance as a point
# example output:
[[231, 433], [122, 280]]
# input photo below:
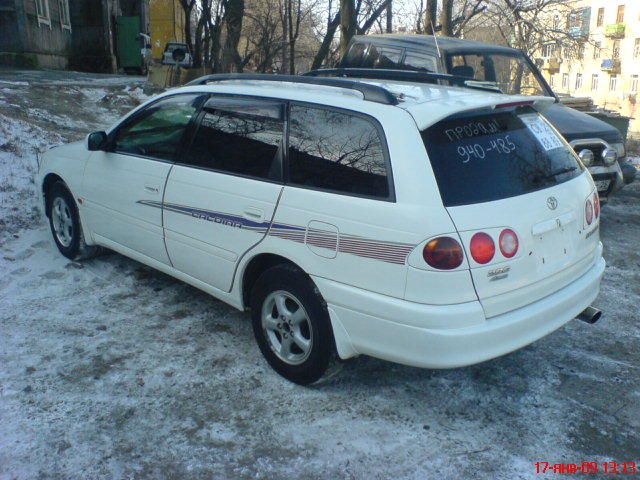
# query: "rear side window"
[[420, 63], [383, 57], [337, 151], [242, 137], [482, 158]]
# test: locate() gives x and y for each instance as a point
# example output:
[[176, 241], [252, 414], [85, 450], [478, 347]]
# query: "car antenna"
[[433, 29]]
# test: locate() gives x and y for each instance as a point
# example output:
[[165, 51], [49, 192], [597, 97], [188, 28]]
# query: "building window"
[[565, 81], [597, 48], [620, 16], [547, 50], [634, 83], [636, 48], [552, 80], [578, 81], [594, 82], [65, 19], [613, 83], [600, 20], [616, 49], [42, 9]]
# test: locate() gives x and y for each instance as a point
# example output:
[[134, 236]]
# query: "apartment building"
[[607, 65]]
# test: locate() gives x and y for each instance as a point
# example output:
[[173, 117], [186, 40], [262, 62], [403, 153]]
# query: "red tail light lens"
[[482, 248], [588, 212], [508, 242], [443, 253], [596, 204]]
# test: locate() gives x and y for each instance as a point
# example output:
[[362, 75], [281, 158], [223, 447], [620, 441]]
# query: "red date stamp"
[[588, 468]]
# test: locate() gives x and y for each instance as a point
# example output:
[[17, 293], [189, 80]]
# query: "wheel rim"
[[62, 221], [287, 327]]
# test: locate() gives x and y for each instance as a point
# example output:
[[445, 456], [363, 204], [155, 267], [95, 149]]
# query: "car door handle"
[[152, 188], [254, 214]]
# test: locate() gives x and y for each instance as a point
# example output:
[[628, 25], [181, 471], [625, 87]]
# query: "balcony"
[[550, 64], [579, 32], [579, 23], [611, 66], [615, 30]]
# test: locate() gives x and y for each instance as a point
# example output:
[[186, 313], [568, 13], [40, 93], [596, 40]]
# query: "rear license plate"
[[602, 185]]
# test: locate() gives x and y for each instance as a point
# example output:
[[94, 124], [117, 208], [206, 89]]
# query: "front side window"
[[510, 73], [240, 137], [158, 130], [485, 157], [337, 151]]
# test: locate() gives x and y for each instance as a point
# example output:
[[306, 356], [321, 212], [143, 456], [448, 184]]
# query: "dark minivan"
[[509, 71]]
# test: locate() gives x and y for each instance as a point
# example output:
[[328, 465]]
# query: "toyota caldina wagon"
[[428, 225]]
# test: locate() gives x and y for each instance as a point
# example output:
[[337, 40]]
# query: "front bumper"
[[447, 336]]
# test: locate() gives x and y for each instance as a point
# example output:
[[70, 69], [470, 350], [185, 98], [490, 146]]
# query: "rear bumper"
[[447, 336]]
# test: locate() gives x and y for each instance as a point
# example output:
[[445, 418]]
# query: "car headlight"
[[620, 150]]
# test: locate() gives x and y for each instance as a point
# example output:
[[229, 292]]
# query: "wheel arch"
[[47, 183], [255, 267]]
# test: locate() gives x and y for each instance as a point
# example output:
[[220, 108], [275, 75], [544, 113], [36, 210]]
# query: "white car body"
[[365, 256]]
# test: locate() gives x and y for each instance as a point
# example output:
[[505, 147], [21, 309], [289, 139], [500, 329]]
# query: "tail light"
[[508, 242], [596, 205], [443, 253], [482, 248], [588, 212]]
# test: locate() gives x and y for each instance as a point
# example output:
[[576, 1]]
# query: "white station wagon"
[[424, 224]]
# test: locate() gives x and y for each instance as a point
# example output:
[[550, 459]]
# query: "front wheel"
[[64, 221], [291, 324]]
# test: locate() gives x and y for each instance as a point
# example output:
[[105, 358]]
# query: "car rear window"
[[485, 157]]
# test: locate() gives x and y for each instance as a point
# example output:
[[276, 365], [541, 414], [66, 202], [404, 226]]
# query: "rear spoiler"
[[425, 115]]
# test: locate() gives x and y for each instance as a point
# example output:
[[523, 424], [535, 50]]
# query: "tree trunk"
[[430, 17], [347, 23], [323, 52], [390, 17], [446, 18], [233, 21]]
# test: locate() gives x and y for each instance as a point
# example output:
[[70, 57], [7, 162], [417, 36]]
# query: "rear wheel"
[[291, 324], [64, 221]]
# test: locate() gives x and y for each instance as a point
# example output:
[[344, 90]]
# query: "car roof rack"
[[400, 75], [372, 93]]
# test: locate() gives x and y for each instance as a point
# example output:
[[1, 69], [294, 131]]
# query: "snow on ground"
[[109, 369]]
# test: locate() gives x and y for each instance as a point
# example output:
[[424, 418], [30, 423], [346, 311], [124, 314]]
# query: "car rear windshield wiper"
[[539, 178]]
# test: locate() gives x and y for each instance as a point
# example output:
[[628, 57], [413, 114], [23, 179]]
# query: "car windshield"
[[512, 74]]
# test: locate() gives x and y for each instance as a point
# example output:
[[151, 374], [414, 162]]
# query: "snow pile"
[[20, 145]]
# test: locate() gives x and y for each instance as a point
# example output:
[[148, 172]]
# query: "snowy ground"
[[109, 369]]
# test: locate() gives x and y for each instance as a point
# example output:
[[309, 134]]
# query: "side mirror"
[[96, 141]]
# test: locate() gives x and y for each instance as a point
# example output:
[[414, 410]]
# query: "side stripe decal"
[[390, 252]]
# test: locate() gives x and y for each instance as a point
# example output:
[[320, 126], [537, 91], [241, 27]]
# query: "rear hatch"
[[508, 170]]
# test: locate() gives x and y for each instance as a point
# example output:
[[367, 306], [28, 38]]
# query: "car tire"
[[291, 324], [64, 221]]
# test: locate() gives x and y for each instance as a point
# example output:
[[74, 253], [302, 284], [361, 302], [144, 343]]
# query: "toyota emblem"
[[552, 203]]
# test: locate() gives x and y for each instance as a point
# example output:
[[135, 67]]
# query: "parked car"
[[499, 66], [342, 217]]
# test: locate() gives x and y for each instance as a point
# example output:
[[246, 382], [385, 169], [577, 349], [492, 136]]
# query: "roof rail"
[[390, 74], [372, 93]]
